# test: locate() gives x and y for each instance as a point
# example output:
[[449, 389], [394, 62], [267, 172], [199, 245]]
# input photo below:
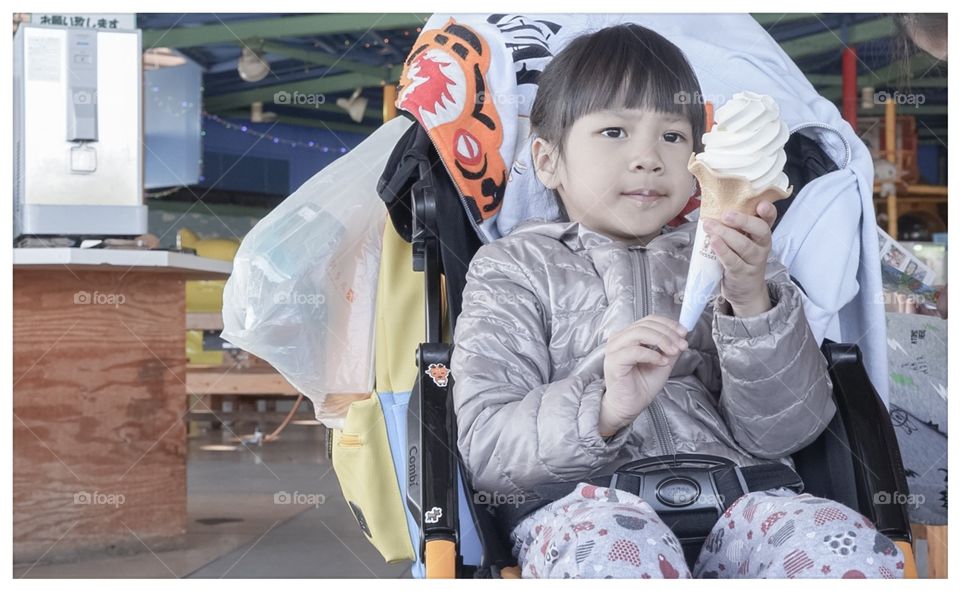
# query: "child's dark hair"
[[624, 66]]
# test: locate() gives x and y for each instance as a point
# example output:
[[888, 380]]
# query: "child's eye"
[[617, 132], [673, 137]]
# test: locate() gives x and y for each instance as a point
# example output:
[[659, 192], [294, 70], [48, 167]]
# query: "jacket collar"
[[577, 236]]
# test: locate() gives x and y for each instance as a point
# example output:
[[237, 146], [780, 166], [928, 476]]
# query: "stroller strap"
[[688, 491]]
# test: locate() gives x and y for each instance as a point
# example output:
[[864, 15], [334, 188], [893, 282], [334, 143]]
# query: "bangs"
[[626, 67], [638, 87]]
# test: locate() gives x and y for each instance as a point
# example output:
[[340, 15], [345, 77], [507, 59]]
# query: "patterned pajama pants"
[[598, 532]]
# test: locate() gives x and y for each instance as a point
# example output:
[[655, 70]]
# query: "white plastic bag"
[[303, 289]]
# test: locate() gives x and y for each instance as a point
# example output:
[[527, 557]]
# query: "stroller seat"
[[442, 211], [855, 459]]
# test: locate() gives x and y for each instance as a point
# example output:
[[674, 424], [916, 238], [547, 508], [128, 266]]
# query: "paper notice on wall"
[[43, 59]]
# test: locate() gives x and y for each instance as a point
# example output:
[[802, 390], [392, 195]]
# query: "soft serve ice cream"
[[748, 141], [741, 165]]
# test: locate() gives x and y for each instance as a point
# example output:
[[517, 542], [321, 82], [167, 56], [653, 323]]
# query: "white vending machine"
[[78, 160]]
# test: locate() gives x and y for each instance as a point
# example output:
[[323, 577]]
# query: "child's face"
[[623, 172]]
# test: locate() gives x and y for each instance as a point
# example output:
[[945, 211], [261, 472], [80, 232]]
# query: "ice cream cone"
[[720, 193], [740, 166]]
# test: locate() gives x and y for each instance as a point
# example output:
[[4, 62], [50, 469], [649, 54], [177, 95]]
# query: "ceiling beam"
[[878, 110], [928, 83], [830, 40], [307, 122], [370, 114], [332, 61], [917, 65], [278, 28], [904, 110], [775, 18], [331, 107], [315, 86], [828, 80], [825, 79], [328, 125]]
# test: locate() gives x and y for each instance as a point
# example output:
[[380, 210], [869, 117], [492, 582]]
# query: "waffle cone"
[[720, 193]]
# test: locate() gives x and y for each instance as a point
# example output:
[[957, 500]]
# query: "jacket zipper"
[[846, 144], [349, 440], [660, 424], [463, 200]]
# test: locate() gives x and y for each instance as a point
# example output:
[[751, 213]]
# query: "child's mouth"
[[645, 195]]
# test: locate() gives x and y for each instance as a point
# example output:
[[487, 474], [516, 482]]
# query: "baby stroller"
[[441, 210]]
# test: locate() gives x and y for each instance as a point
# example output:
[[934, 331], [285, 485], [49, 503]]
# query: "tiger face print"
[[443, 86]]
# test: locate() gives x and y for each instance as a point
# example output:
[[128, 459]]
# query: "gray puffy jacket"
[[538, 308]]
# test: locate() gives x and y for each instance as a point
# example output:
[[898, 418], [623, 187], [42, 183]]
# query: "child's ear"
[[546, 162]]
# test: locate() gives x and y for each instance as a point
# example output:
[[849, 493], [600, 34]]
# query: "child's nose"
[[648, 161]]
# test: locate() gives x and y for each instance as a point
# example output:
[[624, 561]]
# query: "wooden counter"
[[99, 398]]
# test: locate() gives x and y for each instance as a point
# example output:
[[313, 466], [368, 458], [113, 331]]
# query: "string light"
[[309, 145], [176, 107], [173, 105]]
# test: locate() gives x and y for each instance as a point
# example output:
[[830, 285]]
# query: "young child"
[[569, 363]]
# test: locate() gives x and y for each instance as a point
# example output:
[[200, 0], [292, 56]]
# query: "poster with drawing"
[[904, 273]]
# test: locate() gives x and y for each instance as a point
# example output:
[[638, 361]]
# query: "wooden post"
[[389, 102], [890, 123]]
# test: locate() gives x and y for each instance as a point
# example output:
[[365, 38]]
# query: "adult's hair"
[[931, 26]]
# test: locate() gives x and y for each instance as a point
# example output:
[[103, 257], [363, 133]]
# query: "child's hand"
[[634, 371], [742, 244]]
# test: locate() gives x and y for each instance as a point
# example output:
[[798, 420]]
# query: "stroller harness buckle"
[[689, 492]]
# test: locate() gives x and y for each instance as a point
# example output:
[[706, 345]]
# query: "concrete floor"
[[236, 530]]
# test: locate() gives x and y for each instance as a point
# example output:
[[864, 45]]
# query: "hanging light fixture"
[[162, 57], [356, 105], [252, 66]]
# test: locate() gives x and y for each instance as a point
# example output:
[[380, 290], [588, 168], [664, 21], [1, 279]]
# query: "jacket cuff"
[[783, 300], [589, 424]]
